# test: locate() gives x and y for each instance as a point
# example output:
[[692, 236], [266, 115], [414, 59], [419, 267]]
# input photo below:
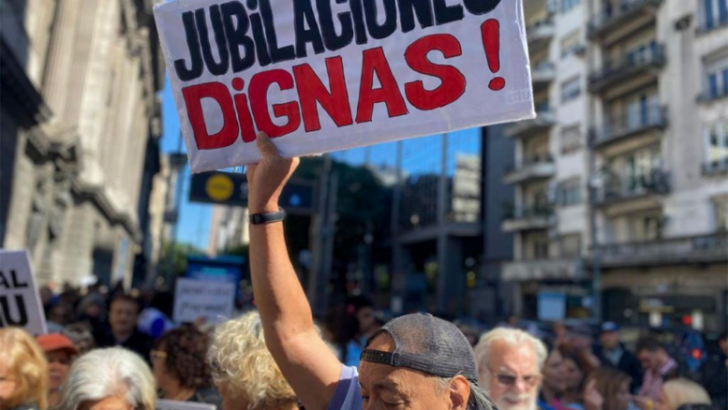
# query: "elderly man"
[[415, 362], [509, 368]]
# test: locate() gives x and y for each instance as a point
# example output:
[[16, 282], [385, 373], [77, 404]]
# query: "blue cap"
[[610, 327]]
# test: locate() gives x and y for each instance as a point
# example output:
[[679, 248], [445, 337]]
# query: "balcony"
[[648, 119], [542, 75], [616, 190], [619, 14], [558, 269], [643, 64], [530, 170], [716, 167], [516, 219], [542, 123], [540, 35], [700, 249]]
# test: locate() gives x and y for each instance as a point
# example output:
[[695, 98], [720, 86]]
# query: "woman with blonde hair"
[[112, 378], [23, 372], [244, 370], [679, 392]]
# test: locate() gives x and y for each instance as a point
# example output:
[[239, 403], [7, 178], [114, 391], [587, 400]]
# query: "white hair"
[[106, 373], [514, 337]]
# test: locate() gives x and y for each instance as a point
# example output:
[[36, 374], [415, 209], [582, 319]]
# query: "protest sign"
[[195, 298], [19, 300], [325, 75], [161, 404]]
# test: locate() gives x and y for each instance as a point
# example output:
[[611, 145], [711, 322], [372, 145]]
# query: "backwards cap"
[[432, 346]]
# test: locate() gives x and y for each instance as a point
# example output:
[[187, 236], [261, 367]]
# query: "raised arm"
[[303, 357]]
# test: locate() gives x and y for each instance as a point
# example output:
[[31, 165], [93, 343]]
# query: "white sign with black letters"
[[20, 303], [195, 298]]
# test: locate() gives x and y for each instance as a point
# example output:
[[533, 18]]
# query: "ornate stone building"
[[81, 123]]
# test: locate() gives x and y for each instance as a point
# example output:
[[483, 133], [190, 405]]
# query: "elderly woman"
[[23, 372], [180, 368], [60, 352], [682, 392], [244, 370], [104, 379]]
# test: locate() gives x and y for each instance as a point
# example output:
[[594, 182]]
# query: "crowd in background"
[[102, 342]]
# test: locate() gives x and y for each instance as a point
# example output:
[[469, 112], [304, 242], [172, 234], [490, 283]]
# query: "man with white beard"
[[509, 368]]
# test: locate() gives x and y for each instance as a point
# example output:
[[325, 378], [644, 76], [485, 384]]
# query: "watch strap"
[[267, 218]]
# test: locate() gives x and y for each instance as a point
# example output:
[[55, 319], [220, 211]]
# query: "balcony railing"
[[543, 122], [533, 168], [615, 14], [716, 167], [647, 118], [527, 218], [540, 34], [657, 182], [682, 250], [627, 66], [543, 269]]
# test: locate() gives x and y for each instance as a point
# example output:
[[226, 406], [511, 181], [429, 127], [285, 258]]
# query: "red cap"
[[56, 341]]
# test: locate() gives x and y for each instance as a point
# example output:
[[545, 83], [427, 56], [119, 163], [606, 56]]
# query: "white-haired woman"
[[244, 370], [108, 379]]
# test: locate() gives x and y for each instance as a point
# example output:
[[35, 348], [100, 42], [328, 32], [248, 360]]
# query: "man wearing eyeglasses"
[[509, 368]]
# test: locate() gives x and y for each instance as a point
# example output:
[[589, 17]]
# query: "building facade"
[[623, 173], [82, 166]]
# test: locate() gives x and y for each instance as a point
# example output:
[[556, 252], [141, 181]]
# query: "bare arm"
[[303, 357]]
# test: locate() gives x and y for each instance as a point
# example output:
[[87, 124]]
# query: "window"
[[716, 144], [569, 192], [720, 207], [570, 44], [570, 245], [570, 89], [567, 5], [717, 78], [570, 138], [715, 13], [645, 228]]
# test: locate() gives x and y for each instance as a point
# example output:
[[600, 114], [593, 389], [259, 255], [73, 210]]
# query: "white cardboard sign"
[[182, 405], [195, 298], [326, 75], [19, 300]]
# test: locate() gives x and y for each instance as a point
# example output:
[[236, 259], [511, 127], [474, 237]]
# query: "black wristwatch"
[[267, 218]]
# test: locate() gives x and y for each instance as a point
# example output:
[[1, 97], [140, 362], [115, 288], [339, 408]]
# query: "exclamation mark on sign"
[[490, 31]]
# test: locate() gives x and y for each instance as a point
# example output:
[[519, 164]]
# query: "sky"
[[194, 219]]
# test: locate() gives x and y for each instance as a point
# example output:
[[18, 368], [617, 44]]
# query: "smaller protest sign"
[[19, 300], [181, 405], [212, 300]]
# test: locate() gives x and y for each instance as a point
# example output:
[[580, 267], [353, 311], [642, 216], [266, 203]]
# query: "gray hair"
[[106, 373], [514, 337]]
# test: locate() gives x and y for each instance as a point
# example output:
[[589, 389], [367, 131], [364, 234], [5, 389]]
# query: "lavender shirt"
[[346, 396]]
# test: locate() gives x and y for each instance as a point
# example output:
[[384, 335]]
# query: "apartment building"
[[624, 171]]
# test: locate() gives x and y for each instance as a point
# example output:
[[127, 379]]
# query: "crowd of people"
[[115, 351]]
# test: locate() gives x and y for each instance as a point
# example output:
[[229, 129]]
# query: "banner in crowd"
[[212, 300], [20, 303], [162, 404], [325, 75]]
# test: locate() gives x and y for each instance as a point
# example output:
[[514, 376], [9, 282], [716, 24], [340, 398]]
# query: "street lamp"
[[595, 183]]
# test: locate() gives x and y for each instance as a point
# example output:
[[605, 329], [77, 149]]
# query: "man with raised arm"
[[416, 362]]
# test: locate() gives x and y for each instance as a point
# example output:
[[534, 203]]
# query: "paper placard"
[[19, 299], [326, 75], [195, 298]]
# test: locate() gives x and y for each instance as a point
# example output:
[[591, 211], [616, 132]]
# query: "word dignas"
[[244, 113], [237, 34]]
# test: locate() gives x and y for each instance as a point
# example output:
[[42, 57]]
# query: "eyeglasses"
[[510, 380], [156, 354]]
